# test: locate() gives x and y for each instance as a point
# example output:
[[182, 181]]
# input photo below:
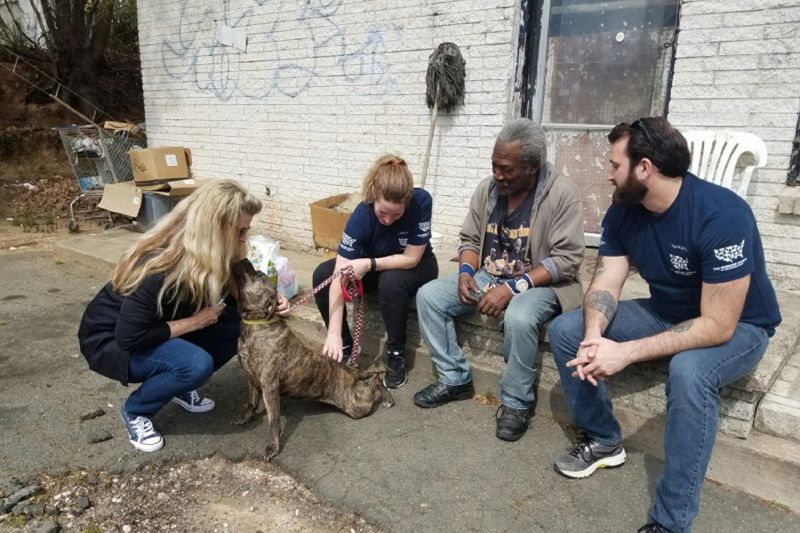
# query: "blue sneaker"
[[141, 432], [192, 402]]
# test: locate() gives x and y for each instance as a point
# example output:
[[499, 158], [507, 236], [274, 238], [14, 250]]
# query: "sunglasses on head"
[[640, 126]]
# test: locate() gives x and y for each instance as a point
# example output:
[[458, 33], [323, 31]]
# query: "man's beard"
[[629, 193]]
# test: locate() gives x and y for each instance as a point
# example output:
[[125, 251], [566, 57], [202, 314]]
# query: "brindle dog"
[[277, 363]]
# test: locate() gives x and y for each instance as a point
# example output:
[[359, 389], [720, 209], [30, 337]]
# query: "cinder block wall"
[[738, 67], [323, 89]]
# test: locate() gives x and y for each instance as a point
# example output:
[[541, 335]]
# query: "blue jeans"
[[693, 384], [181, 364], [437, 306]]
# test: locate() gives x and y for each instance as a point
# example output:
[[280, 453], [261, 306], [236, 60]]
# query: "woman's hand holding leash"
[[360, 266]]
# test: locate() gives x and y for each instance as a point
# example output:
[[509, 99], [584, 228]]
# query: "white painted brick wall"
[[323, 90], [738, 67], [326, 87]]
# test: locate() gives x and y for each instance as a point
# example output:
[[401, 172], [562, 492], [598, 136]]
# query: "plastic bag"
[[265, 255], [263, 250], [287, 279]]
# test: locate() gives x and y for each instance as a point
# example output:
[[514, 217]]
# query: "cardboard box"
[[327, 223], [153, 166], [127, 198]]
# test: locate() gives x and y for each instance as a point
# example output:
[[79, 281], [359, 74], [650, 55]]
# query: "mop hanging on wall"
[[445, 88]]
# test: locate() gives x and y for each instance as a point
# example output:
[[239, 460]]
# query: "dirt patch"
[[209, 495], [36, 180]]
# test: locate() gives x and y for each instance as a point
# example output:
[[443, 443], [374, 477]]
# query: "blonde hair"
[[194, 246], [390, 179]]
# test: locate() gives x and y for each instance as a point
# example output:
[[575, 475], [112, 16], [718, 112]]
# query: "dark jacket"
[[114, 326]]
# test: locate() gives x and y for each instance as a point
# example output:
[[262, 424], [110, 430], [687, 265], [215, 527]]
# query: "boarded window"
[[596, 63]]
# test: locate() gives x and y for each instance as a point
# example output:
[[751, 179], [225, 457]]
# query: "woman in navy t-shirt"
[[387, 242]]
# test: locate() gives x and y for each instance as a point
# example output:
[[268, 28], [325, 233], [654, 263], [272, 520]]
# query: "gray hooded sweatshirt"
[[556, 239]]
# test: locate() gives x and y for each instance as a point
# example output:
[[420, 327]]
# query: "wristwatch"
[[521, 285]]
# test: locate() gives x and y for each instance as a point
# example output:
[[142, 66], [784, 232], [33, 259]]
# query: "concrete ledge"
[[640, 388], [778, 413]]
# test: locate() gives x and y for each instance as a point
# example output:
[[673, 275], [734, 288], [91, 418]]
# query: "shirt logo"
[[678, 262], [425, 226], [403, 241], [348, 242], [729, 254], [680, 265]]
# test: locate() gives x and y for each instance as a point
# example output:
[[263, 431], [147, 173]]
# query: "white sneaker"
[[192, 402], [141, 433]]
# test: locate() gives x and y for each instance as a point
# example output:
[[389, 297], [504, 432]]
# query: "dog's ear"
[[243, 267]]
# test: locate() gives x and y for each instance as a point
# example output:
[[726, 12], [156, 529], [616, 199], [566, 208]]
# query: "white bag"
[[262, 251], [265, 255], [287, 280]]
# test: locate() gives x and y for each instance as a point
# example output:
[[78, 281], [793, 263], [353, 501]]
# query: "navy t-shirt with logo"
[[365, 236], [707, 235]]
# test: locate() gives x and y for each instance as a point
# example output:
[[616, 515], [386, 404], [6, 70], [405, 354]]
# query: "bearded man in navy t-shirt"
[[711, 308]]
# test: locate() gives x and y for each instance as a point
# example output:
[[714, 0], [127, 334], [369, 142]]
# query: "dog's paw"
[[387, 403], [273, 448]]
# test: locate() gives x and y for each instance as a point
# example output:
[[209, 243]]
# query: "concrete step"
[[640, 388], [778, 414]]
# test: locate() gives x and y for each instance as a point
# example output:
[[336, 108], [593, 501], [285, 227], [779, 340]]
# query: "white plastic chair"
[[715, 155]]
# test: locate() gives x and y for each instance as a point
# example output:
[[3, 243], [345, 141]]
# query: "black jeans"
[[395, 290]]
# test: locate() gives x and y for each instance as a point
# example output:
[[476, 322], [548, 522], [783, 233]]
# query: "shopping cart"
[[97, 157]]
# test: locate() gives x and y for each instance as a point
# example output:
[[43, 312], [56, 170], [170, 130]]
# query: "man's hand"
[[583, 358], [599, 358], [467, 288], [495, 300]]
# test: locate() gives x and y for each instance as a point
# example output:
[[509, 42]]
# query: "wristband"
[[373, 265], [521, 284], [466, 268]]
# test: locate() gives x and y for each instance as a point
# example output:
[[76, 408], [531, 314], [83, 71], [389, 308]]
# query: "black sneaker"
[[588, 456], [512, 423], [653, 527], [396, 376]]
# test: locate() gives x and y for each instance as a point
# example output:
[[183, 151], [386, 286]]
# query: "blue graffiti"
[[286, 64]]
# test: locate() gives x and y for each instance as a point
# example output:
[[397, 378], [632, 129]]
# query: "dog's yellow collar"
[[260, 321]]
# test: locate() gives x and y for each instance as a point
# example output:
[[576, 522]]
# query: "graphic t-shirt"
[[708, 235], [505, 245], [365, 236]]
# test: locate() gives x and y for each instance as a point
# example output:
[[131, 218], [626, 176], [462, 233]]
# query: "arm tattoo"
[[683, 326], [602, 301]]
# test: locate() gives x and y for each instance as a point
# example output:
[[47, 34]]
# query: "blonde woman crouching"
[[167, 319]]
